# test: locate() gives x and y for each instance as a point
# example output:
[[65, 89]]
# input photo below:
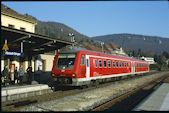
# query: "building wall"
[[2, 65], [49, 61], [16, 64], [5, 20]]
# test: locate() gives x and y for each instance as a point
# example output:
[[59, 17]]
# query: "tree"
[[139, 53], [155, 58], [165, 54]]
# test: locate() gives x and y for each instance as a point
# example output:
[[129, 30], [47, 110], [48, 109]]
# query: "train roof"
[[72, 50], [100, 53]]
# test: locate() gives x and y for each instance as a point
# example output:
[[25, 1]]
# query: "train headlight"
[[53, 75], [73, 75]]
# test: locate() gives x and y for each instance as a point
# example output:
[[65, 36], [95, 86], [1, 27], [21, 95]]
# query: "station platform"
[[157, 101], [14, 92]]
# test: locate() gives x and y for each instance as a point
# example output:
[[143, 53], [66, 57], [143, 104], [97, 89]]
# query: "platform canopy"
[[33, 44]]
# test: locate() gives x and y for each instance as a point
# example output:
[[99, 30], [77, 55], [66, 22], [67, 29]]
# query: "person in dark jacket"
[[16, 77], [5, 74], [21, 74], [30, 74]]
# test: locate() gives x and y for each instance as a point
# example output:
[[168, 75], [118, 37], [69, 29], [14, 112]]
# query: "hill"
[[61, 31], [132, 41]]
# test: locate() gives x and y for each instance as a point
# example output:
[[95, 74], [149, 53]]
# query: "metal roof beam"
[[24, 37]]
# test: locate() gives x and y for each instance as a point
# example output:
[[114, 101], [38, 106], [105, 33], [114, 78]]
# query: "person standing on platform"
[[30, 74], [21, 74], [16, 78], [5, 75]]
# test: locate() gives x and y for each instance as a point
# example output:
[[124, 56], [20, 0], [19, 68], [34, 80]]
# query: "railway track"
[[129, 100], [20, 103]]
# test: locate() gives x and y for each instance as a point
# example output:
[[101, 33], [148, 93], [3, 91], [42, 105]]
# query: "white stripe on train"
[[105, 76]]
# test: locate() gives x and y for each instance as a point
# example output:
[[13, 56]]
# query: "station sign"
[[13, 53]]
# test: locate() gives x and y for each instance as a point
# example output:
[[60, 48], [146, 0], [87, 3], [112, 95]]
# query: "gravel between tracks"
[[90, 99]]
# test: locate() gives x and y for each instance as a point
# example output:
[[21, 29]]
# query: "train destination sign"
[[13, 53]]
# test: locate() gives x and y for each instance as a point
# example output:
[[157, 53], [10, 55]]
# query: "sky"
[[95, 18]]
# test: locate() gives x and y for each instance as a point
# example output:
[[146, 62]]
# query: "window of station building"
[[82, 60], [22, 29], [11, 26], [117, 64], [114, 64], [100, 63], [95, 62], [105, 63], [109, 63]]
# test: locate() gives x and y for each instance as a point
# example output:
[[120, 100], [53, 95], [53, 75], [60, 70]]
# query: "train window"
[[100, 63], [117, 64], [113, 63], [82, 60], [109, 63], [125, 64], [95, 62], [65, 61], [105, 63], [122, 64], [87, 61]]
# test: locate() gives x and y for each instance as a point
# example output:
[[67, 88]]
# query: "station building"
[[150, 60], [18, 33]]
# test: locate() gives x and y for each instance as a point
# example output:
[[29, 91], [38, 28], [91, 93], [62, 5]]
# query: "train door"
[[133, 67], [83, 66], [87, 68]]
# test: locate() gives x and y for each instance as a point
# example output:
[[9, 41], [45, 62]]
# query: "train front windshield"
[[65, 61]]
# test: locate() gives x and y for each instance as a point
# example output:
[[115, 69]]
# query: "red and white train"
[[83, 67]]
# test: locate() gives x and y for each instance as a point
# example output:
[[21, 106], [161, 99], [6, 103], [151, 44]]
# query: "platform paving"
[[16, 92], [157, 101]]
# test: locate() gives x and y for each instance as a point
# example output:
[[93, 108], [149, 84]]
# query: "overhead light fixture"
[[49, 45], [36, 50], [41, 48]]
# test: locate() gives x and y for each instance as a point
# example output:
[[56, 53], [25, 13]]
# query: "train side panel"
[[92, 65]]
